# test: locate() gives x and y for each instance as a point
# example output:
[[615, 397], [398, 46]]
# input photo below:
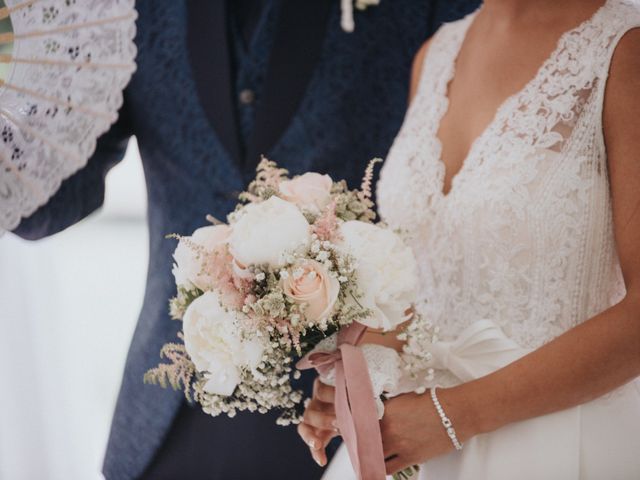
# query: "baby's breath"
[[269, 313]]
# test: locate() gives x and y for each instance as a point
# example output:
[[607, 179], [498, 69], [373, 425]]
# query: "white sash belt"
[[480, 349]]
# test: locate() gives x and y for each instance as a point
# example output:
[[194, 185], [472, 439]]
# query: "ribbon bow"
[[355, 403], [480, 349]]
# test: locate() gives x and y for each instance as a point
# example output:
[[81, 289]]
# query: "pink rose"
[[309, 283], [310, 191]]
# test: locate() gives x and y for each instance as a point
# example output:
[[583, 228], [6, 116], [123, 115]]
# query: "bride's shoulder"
[[624, 46], [416, 69], [623, 79], [440, 37], [621, 15], [626, 6]]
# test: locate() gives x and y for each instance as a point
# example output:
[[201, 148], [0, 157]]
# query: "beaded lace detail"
[[525, 236]]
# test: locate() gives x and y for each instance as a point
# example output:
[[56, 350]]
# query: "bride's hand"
[[319, 425], [412, 431]]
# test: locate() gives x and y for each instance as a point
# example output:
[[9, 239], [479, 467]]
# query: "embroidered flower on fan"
[[347, 22]]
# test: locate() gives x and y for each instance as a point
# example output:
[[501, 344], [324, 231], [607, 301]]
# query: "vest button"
[[247, 96]]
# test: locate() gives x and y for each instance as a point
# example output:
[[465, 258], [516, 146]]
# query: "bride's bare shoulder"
[[623, 84], [626, 58], [621, 126], [416, 69]]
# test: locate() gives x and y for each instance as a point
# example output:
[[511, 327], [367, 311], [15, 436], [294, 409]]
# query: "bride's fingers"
[[323, 392], [321, 416], [314, 437], [389, 448], [395, 463], [317, 440], [308, 434]]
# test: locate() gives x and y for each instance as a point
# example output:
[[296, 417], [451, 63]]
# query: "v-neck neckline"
[[503, 107]]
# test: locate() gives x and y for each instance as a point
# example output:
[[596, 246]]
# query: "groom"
[[218, 84]]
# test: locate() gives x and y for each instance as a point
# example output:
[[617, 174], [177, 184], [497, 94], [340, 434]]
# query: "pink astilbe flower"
[[365, 188], [289, 334], [326, 226], [295, 338], [232, 288]]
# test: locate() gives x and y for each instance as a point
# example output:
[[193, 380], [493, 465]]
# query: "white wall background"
[[68, 306]]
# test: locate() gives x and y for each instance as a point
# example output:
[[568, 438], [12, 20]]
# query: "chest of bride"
[[516, 226], [522, 200]]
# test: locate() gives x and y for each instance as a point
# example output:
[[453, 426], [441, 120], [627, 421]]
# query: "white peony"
[[188, 268], [387, 272], [214, 340], [265, 232]]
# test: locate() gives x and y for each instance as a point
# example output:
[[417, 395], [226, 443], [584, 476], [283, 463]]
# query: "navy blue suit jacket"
[[332, 101]]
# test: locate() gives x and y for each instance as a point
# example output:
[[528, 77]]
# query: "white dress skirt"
[[598, 440]]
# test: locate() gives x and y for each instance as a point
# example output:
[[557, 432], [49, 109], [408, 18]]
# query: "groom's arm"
[[83, 192]]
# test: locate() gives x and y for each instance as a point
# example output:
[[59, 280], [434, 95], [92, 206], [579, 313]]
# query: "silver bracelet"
[[446, 423]]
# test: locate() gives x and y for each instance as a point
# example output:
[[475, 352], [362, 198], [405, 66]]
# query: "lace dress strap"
[[622, 16], [439, 61]]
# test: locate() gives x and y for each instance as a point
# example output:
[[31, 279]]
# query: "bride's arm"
[[316, 428], [587, 361], [416, 69]]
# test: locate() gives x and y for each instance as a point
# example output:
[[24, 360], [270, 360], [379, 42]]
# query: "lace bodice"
[[525, 236]]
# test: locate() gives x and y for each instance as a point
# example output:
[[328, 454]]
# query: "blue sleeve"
[[83, 192]]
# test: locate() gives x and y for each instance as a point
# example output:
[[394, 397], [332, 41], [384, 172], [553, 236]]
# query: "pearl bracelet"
[[446, 423]]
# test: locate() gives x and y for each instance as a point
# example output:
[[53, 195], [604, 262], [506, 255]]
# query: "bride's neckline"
[[503, 107]]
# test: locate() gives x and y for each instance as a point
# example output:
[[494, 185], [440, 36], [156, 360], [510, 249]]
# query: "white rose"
[[311, 191], [387, 272], [214, 340], [264, 232], [188, 269]]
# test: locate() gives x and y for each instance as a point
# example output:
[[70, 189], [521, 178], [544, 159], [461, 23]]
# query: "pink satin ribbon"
[[355, 402]]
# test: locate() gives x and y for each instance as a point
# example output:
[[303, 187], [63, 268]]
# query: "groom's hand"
[[319, 423]]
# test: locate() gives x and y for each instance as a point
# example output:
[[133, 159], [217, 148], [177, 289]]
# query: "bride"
[[517, 175]]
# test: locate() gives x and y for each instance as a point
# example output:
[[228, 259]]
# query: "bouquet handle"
[[355, 402]]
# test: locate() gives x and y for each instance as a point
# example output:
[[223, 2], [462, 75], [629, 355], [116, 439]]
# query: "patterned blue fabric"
[[251, 62], [352, 109]]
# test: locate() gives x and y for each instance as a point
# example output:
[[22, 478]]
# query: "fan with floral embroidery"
[[64, 65]]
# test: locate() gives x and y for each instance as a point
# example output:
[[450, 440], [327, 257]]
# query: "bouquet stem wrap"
[[354, 402]]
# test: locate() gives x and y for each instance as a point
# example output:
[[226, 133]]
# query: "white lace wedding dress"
[[519, 251]]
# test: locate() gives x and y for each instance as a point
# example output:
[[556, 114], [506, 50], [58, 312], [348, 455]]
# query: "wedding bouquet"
[[300, 260]]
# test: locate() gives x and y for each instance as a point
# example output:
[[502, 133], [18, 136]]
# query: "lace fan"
[[65, 64]]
